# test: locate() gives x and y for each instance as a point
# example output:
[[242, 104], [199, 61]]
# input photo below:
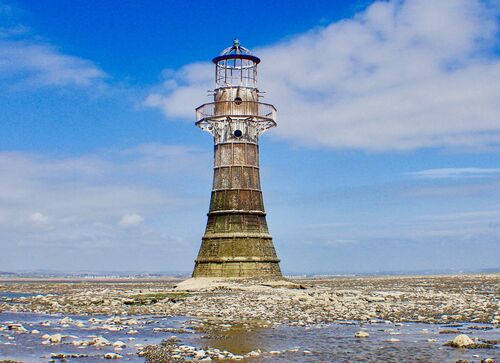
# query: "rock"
[[361, 334], [65, 321], [22, 330], [63, 356], [57, 355], [112, 356], [449, 331], [392, 340], [19, 328], [34, 331], [119, 344], [460, 341], [100, 342], [55, 339], [200, 353]]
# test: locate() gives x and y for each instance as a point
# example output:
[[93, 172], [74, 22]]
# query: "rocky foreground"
[[432, 299], [219, 304]]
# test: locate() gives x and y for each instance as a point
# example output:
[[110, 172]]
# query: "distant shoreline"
[[173, 279]]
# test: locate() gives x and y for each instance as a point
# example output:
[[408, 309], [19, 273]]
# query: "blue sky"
[[386, 155]]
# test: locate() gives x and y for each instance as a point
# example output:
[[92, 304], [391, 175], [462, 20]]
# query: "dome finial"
[[236, 49]]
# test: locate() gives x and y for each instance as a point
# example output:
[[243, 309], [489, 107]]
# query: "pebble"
[[392, 340]]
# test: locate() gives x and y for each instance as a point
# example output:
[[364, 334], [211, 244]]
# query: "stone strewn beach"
[[432, 299], [344, 319]]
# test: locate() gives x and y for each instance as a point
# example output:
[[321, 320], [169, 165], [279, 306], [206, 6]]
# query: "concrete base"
[[253, 284]]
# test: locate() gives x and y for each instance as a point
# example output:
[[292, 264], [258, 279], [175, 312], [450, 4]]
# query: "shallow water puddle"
[[386, 342], [29, 347]]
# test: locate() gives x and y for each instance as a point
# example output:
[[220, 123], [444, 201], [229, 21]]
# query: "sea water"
[[318, 343]]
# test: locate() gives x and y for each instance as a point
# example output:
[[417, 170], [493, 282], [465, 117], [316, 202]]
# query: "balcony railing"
[[242, 109]]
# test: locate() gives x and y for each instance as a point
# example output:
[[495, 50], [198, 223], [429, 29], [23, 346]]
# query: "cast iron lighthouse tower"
[[237, 242]]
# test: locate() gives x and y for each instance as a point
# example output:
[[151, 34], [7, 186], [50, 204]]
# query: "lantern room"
[[236, 67]]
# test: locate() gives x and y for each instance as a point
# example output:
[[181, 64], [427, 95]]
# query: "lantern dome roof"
[[236, 51]]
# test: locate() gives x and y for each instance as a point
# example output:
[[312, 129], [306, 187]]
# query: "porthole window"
[[238, 101], [237, 133]]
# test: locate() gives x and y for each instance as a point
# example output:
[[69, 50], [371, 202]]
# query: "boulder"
[[112, 356], [119, 344], [361, 334], [460, 341], [100, 342], [56, 338]]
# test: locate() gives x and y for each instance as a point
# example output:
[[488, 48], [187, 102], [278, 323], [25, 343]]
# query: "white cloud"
[[131, 220], [28, 61], [29, 64], [80, 201], [186, 89], [39, 219], [399, 75], [445, 173]]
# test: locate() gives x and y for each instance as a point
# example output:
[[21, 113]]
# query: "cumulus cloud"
[[184, 90], [26, 60], [130, 220], [130, 198], [400, 75], [43, 65]]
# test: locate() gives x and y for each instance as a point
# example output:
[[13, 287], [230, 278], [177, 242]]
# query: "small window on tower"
[[238, 100], [237, 133]]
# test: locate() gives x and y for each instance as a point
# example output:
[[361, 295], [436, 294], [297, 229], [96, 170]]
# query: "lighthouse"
[[237, 242]]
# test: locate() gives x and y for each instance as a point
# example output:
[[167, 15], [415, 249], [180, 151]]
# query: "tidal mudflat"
[[355, 319]]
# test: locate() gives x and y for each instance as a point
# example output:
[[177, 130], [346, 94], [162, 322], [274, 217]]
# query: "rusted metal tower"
[[237, 242]]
